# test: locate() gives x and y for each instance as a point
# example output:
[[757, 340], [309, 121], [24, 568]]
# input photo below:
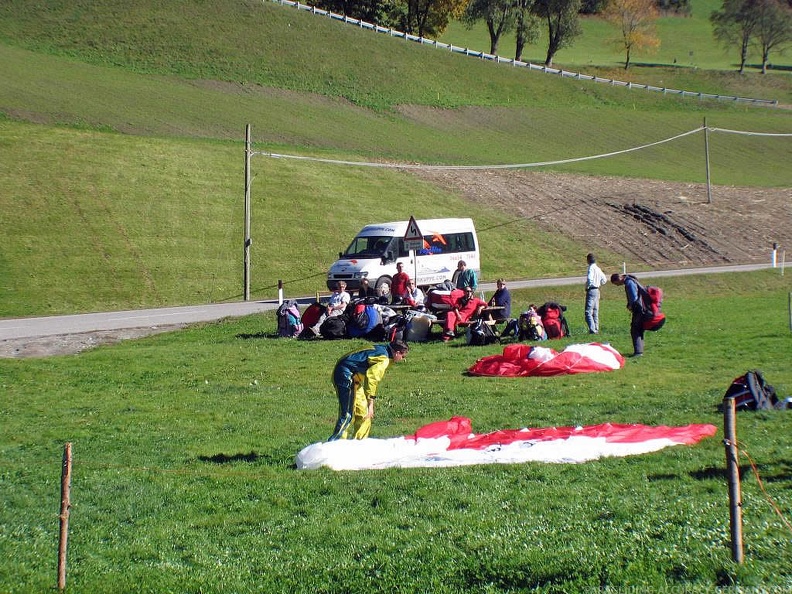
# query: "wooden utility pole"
[[733, 474], [246, 255], [64, 514]]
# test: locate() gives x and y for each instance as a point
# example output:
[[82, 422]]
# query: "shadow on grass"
[[226, 459], [255, 335]]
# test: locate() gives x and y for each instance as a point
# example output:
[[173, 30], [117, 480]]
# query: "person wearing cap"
[[464, 309], [595, 278], [356, 376], [634, 305]]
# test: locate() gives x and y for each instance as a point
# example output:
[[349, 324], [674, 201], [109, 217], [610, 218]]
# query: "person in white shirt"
[[595, 278], [336, 306], [415, 297], [338, 300]]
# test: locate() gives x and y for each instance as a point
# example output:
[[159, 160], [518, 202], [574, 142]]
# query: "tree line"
[[763, 25]]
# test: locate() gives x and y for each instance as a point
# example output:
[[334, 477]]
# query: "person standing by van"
[[465, 277], [595, 278], [400, 285]]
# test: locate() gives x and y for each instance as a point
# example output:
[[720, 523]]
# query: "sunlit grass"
[[184, 447]]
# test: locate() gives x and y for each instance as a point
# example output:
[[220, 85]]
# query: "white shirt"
[[337, 303], [595, 278]]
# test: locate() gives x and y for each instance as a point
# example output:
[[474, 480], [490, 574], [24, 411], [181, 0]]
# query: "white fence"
[[516, 63]]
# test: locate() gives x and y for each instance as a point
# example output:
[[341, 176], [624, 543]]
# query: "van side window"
[[398, 245], [448, 243], [367, 246]]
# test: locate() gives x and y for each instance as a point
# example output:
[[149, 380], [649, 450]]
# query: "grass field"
[[122, 165], [184, 475]]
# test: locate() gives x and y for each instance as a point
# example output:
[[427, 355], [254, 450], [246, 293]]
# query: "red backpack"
[[652, 301], [553, 319]]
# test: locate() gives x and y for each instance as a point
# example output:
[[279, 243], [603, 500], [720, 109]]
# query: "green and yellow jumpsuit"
[[355, 377]]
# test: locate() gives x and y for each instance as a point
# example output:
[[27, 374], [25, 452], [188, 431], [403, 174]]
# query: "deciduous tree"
[[498, 14], [563, 23], [773, 28], [430, 17], [734, 24], [527, 27], [636, 22]]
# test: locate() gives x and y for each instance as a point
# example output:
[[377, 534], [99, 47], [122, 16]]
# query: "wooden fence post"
[[64, 514], [733, 474]]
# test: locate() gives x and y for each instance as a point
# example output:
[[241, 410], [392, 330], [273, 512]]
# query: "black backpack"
[[333, 328], [396, 328], [752, 392], [479, 333]]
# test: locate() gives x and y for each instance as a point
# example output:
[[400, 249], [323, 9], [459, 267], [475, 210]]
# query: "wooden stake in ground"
[[64, 514], [733, 474]]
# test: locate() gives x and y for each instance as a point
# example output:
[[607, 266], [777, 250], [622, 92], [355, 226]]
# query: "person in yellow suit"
[[356, 376]]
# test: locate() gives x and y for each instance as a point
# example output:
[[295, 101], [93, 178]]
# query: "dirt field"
[[662, 224]]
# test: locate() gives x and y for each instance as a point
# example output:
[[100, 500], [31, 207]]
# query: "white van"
[[377, 248]]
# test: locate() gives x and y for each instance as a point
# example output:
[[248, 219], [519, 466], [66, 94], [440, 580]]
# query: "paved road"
[[14, 328]]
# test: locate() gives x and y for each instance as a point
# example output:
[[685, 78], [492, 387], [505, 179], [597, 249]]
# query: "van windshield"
[[370, 246]]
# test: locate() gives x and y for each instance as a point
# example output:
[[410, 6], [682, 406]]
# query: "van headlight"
[[360, 275]]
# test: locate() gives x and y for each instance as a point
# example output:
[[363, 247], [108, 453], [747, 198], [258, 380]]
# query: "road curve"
[[16, 328]]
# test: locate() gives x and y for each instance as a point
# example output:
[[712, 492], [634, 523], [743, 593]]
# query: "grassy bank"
[[122, 159], [184, 448]]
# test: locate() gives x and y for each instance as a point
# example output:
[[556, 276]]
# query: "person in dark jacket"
[[366, 290], [356, 376], [501, 298], [635, 305]]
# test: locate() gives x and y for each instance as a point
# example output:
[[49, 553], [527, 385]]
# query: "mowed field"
[[122, 159]]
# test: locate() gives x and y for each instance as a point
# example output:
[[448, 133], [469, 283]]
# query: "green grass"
[[184, 447], [122, 159], [122, 165]]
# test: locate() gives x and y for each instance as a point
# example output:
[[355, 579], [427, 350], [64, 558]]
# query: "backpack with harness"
[[396, 328], [530, 327], [751, 392], [364, 321], [651, 301], [553, 319], [289, 319], [479, 333]]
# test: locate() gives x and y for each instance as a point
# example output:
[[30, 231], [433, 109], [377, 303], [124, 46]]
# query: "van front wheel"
[[383, 286]]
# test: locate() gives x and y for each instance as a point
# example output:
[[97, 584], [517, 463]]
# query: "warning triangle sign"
[[413, 232]]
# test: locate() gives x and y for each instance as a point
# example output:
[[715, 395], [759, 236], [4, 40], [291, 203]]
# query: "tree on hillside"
[[527, 26], [371, 11], [636, 21], [498, 14], [773, 28], [426, 18], [563, 24], [764, 24], [734, 24]]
